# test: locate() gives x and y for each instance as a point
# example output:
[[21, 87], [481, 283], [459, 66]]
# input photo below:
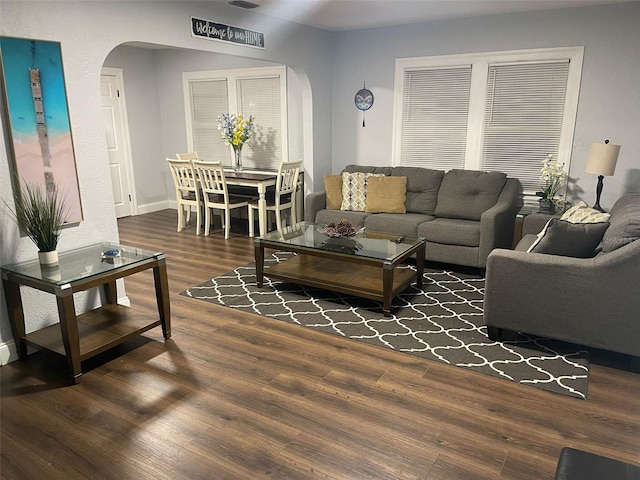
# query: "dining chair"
[[216, 195], [188, 156], [187, 191], [285, 195]]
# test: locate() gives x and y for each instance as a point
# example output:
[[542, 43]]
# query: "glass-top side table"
[[79, 337]]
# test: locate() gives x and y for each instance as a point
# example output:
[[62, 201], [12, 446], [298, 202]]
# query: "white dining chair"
[[216, 195], [285, 195], [188, 156], [187, 192]]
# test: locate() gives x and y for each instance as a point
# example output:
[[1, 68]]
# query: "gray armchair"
[[588, 301]]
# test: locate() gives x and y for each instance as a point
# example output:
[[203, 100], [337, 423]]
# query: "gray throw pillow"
[[568, 239]]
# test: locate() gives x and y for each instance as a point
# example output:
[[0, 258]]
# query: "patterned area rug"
[[443, 322]]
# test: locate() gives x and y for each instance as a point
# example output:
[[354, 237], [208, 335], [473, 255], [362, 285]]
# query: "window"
[[258, 91], [501, 111]]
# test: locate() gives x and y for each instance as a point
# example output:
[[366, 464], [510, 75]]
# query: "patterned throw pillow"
[[354, 190], [582, 213]]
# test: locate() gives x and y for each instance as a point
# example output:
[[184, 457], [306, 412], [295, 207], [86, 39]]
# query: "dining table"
[[258, 179]]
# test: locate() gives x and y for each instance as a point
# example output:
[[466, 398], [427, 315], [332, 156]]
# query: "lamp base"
[[598, 193]]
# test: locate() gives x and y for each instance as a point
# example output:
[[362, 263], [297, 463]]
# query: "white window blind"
[[250, 91], [209, 98], [523, 118], [261, 98], [435, 117], [519, 106]]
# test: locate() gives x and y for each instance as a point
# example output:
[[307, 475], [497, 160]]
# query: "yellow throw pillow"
[[386, 194], [333, 189]]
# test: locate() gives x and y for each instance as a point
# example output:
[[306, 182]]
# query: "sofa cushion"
[[450, 231], [423, 185], [333, 189], [467, 194], [327, 216], [368, 169], [406, 224], [583, 213], [354, 190], [560, 237], [625, 223], [386, 194]]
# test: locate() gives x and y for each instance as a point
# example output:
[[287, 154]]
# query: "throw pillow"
[[582, 213], [333, 189], [567, 239], [354, 190], [386, 195]]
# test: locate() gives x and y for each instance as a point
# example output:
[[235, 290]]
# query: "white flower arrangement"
[[554, 177]]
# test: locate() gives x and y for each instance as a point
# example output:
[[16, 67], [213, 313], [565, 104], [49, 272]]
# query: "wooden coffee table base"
[[345, 274]]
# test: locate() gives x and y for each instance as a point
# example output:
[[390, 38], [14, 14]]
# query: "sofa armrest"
[[588, 301], [315, 202], [497, 223]]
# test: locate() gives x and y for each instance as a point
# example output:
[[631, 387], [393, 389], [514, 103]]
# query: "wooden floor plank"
[[234, 395]]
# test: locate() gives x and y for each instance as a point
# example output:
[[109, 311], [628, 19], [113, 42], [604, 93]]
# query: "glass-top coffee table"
[[365, 265]]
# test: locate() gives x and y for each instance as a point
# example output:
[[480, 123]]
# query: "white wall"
[[88, 31], [609, 105]]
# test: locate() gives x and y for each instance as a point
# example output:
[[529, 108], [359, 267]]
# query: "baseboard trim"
[[8, 352], [155, 206]]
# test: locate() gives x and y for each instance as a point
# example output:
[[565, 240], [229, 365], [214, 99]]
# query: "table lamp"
[[602, 162]]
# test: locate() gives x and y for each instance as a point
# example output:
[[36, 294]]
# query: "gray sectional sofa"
[[463, 214], [588, 301]]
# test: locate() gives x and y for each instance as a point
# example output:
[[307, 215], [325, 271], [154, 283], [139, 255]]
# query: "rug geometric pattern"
[[442, 321]]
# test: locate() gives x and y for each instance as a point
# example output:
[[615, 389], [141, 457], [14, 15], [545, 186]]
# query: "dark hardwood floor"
[[238, 396]]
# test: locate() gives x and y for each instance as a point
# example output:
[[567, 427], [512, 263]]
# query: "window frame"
[[478, 94], [231, 76]]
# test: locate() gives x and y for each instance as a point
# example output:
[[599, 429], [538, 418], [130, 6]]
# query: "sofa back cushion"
[[423, 185], [467, 194], [624, 223]]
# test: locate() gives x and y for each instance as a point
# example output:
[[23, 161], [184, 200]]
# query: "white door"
[[115, 125]]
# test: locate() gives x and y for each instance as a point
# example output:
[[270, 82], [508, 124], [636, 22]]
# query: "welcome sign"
[[226, 33]]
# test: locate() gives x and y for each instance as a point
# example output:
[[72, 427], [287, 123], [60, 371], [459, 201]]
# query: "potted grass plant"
[[40, 215]]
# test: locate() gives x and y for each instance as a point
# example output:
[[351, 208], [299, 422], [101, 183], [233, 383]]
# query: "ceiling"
[[339, 15]]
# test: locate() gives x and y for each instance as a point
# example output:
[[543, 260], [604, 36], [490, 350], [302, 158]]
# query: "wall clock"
[[364, 100]]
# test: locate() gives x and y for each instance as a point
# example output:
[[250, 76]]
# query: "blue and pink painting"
[[39, 118]]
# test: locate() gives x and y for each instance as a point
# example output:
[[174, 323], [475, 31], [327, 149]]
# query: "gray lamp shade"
[[602, 159]]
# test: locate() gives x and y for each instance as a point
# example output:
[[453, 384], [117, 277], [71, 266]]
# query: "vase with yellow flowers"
[[236, 130]]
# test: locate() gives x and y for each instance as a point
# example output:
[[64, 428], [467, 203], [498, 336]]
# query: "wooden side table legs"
[[162, 296], [16, 316], [70, 336]]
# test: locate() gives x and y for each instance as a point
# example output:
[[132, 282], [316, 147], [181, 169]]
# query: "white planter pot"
[[48, 258]]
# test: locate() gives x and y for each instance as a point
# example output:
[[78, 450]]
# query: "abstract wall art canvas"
[[38, 114]]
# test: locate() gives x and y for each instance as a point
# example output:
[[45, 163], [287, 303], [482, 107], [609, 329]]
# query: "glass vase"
[[237, 165], [547, 205]]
